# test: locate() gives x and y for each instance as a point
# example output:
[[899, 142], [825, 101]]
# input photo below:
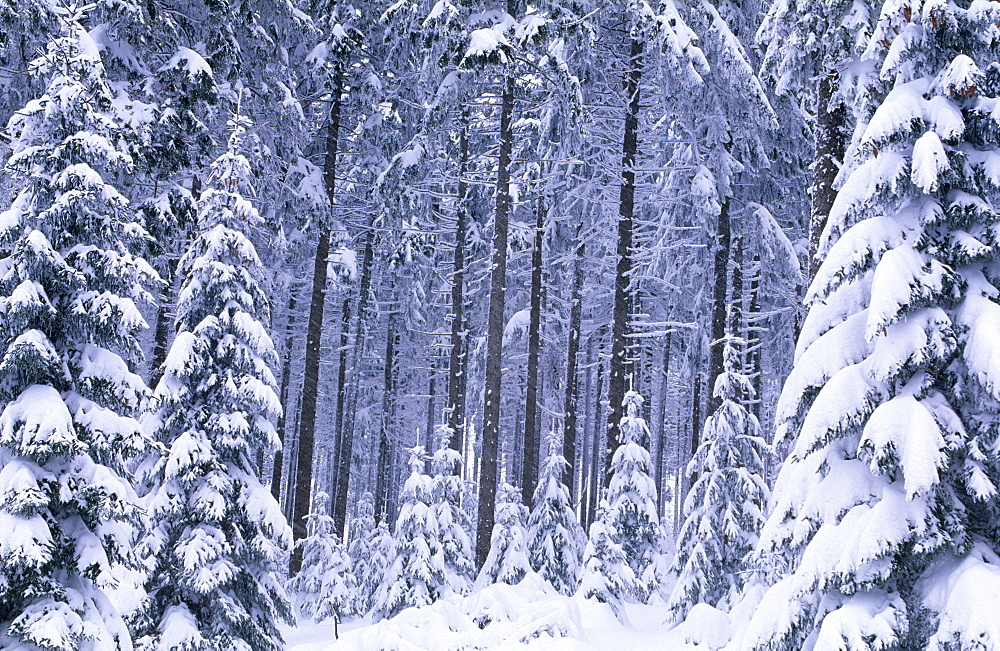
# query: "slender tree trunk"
[[342, 360], [831, 139], [661, 419], [621, 328], [386, 434], [721, 296], [432, 406], [457, 363], [494, 328], [736, 297], [346, 453], [286, 381], [572, 384], [529, 460], [596, 467], [753, 349], [310, 381]]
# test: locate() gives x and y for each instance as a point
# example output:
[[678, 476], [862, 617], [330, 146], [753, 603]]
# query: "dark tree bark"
[[596, 467], [736, 297], [621, 327], [429, 437], [661, 419], [719, 301], [753, 348], [529, 460], [831, 139], [314, 331], [346, 453], [342, 360], [572, 384], [459, 347], [286, 381], [495, 326], [385, 473]]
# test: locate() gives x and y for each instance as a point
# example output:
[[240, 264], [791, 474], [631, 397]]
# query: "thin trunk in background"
[[286, 381], [529, 459], [342, 360], [621, 326], [754, 327], [661, 420], [384, 483], [457, 361], [357, 348], [310, 381], [572, 382]]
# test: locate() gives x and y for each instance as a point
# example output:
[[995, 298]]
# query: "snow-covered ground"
[[530, 614]]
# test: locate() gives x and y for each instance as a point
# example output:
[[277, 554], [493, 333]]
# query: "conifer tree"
[[416, 575], [69, 283], [368, 565], [326, 585], [554, 535], [723, 512], [452, 520], [630, 515], [606, 574], [883, 524], [218, 534], [507, 561]]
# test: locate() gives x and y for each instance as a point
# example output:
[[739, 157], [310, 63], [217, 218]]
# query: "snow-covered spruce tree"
[[367, 568], [218, 535], [383, 551], [630, 515], [452, 520], [723, 512], [507, 561], [416, 576], [325, 586], [883, 524], [554, 536], [606, 574], [68, 322]]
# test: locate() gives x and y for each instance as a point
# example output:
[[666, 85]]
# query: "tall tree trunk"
[[286, 381], [596, 467], [572, 384], [384, 482], [342, 360], [529, 460], [310, 380], [736, 297], [457, 362], [831, 138], [719, 303], [429, 437], [753, 348], [621, 328], [495, 326], [346, 453], [661, 419]]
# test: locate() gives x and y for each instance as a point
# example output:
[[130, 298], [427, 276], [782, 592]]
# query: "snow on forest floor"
[[530, 614]]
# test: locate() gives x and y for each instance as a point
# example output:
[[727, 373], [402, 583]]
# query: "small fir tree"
[[219, 534], [554, 536], [368, 569], [508, 558], [630, 516], [723, 512], [452, 520], [325, 586], [69, 284], [416, 575], [607, 575]]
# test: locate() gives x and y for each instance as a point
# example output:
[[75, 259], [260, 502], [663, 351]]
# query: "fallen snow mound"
[[500, 616]]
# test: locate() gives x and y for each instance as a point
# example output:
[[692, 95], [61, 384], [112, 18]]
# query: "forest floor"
[[530, 614]]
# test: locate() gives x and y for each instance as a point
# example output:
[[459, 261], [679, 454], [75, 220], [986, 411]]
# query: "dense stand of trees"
[[527, 246]]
